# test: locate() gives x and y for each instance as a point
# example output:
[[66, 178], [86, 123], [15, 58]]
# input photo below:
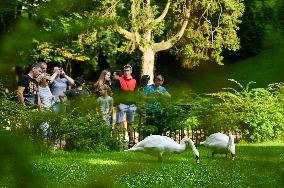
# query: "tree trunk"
[[148, 65]]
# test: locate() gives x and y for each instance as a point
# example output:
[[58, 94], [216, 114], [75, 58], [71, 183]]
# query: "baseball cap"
[[79, 81]]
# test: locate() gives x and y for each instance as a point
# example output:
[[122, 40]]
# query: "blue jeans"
[[59, 107], [128, 109]]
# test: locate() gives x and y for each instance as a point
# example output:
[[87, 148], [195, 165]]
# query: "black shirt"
[[75, 93], [31, 90], [115, 86]]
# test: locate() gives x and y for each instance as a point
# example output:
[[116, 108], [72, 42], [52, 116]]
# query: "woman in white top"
[[47, 100], [46, 97]]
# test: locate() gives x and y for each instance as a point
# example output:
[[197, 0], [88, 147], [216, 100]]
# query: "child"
[[105, 103]]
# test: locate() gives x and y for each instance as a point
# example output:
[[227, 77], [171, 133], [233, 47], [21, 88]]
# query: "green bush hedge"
[[80, 129], [258, 113]]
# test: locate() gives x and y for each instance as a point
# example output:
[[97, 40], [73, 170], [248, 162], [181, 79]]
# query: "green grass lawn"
[[256, 165]]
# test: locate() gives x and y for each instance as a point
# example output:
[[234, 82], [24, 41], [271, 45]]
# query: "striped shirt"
[[46, 97]]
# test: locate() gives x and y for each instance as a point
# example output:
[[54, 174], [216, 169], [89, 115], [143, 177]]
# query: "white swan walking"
[[220, 143], [156, 145]]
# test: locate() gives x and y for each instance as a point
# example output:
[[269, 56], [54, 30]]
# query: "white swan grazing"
[[220, 143], [156, 145]]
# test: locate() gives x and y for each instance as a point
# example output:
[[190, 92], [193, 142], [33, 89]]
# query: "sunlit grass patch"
[[104, 162]]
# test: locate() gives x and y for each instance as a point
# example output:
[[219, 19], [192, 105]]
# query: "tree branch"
[[164, 13], [172, 41], [128, 35]]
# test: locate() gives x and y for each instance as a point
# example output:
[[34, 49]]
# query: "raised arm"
[[70, 80], [53, 76]]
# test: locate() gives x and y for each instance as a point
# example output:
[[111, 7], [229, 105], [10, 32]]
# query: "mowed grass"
[[256, 165]]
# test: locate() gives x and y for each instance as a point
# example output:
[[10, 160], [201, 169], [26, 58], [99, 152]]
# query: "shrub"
[[257, 113], [85, 133], [166, 116], [82, 131], [13, 114]]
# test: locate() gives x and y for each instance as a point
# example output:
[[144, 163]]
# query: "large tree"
[[193, 30], [199, 29]]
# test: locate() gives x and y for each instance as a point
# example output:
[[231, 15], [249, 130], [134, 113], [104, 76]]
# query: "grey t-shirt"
[[105, 103], [58, 86]]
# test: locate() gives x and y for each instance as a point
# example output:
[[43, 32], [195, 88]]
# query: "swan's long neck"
[[231, 144], [193, 148], [231, 140], [182, 145]]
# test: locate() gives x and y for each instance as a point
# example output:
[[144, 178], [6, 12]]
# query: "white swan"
[[220, 143], [156, 145]]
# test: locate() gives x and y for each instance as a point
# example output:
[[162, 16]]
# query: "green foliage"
[[16, 165], [260, 19], [213, 27], [83, 130], [167, 116], [87, 133], [256, 113], [12, 113], [72, 32], [204, 117]]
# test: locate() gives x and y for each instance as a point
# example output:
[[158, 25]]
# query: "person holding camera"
[[59, 82]]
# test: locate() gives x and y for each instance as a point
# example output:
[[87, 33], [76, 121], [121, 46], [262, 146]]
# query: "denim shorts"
[[128, 109], [59, 107]]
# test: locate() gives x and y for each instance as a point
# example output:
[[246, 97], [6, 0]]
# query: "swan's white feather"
[[220, 143], [156, 145]]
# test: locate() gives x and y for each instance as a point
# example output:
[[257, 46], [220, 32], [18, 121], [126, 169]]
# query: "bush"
[[204, 119], [258, 114], [85, 133], [13, 114], [82, 131], [165, 116]]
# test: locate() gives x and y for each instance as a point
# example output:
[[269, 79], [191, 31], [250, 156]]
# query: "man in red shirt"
[[127, 82], [127, 87]]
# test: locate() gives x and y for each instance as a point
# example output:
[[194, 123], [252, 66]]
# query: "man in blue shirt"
[[155, 90], [152, 94]]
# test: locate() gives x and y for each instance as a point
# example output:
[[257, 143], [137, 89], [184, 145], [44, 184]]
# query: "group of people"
[[115, 92], [43, 91]]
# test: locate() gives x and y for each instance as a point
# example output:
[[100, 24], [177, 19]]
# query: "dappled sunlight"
[[104, 162], [266, 144]]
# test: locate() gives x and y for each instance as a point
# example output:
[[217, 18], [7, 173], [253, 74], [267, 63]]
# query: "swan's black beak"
[[197, 159]]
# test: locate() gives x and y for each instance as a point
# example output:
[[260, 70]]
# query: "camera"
[[61, 66]]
